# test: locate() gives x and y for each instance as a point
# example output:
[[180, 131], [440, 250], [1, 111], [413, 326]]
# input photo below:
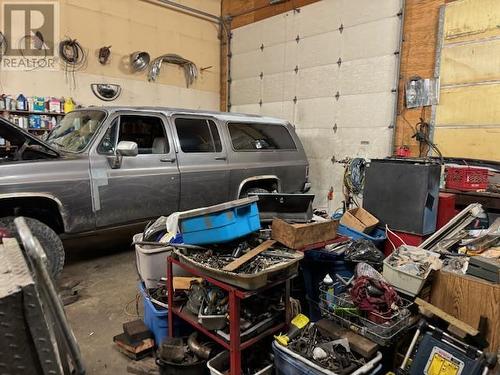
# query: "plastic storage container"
[[151, 262], [377, 236], [405, 282], [466, 178], [221, 223], [219, 365], [156, 319], [287, 362], [315, 265]]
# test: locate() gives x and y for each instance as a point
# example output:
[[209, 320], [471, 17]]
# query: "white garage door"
[[330, 69]]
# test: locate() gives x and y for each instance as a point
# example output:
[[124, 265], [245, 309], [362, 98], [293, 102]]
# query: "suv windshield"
[[76, 130]]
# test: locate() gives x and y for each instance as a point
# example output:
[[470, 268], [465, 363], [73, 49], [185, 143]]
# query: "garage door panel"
[[253, 109], [278, 87], [246, 91], [318, 143], [365, 110], [324, 172], [376, 38], [322, 49], [355, 12], [468, 143], [318, 82], [246, 65], [470, 105], [469, 63], [273, 59], [359, 76], [316, 113], [291, 56], [247, 38], [363, 142], [274, 32], [283, 110], [318, 18]]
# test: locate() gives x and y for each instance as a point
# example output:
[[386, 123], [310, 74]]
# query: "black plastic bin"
[[170, 368], [315, 266]]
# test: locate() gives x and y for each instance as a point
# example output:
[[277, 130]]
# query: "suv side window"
[[147, 131], [198, 135], [251, 137]]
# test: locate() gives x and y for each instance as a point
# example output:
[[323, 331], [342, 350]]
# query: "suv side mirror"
[[124, 148]]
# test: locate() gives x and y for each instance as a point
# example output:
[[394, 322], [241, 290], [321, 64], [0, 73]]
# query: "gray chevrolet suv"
[[110, 167]]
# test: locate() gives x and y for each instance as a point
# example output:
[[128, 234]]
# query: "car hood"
[[17, 135]]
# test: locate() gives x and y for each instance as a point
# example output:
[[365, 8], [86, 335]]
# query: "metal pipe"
[[187, 9], [200, 350], [398, 72]]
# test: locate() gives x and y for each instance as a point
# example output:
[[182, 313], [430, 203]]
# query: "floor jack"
[[439, 353]]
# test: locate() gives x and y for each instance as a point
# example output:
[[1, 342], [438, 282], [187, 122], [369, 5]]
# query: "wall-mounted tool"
[[104, 55], [106, 91], [139, 61]]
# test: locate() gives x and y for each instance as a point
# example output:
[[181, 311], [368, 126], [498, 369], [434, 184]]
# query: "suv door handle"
[[220, 158], [167, 160]]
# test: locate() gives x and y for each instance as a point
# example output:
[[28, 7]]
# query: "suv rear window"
[[198, 135], [251, 137]]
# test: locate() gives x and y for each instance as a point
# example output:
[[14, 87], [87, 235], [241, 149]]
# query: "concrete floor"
[[107, 289]]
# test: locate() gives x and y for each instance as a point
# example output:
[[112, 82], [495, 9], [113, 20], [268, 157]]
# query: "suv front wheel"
[[50, 241]]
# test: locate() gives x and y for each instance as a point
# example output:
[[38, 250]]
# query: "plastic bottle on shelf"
[[8, 100], [328, 292], [69, 105], [30, 103], [53, 123], [39, 104], [62, 102], [2, 102], [21, 103], [54, 105]]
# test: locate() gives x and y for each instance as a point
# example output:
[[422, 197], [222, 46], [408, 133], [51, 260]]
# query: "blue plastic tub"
[[156, 319], [222, 223], [377, 236], [315, 266]]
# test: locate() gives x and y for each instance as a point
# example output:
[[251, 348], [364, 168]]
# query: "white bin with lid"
[[151, 262]]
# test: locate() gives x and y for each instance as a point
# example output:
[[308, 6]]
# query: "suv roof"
[[226, 116]]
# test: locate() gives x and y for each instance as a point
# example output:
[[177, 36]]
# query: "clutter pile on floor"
[[217, 290]]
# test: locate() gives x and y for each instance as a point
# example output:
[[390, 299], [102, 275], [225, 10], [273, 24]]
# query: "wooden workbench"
[[468, 298], [489, 200]]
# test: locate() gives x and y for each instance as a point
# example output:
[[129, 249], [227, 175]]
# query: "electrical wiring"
[[354, 178], [387, 231], [190, 69], [73, 57]]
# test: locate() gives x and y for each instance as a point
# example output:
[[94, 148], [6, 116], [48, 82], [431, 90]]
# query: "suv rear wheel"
[[50, 241], [255, 190]]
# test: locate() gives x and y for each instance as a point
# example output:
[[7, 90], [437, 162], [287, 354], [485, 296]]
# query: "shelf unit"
[[27, 113], [16, 112], [235, 346]]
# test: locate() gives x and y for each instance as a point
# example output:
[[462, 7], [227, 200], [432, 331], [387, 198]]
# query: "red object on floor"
[[408, 238], [446, 209]]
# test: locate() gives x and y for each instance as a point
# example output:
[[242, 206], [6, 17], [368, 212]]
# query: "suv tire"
[[255, 190], [50, 241]]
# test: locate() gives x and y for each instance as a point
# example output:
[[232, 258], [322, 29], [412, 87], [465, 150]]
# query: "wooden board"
[[359, 344], [446, 317], [467, 298], [184, 282], [417, 59], [234, 265]]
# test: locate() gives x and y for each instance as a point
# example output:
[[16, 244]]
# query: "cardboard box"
[[299, 236], [359, 219]]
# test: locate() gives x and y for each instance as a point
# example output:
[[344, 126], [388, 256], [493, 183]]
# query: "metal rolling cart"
[[234, 345]]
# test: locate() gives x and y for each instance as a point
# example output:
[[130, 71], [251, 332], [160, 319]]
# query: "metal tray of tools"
[[252, 281], [336, 304]]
